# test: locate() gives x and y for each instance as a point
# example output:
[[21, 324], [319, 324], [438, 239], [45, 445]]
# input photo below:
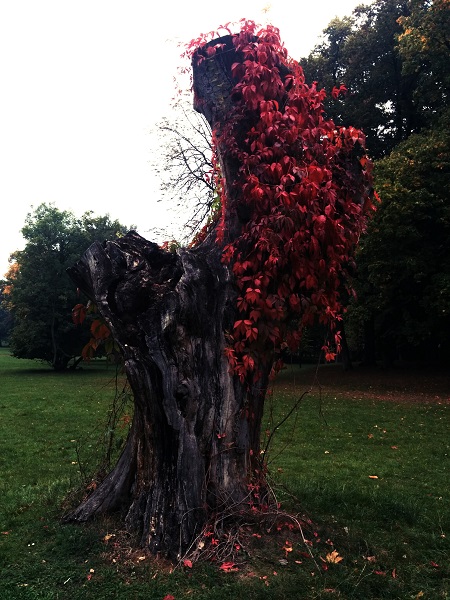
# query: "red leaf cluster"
[[307, 183], [99, 331]]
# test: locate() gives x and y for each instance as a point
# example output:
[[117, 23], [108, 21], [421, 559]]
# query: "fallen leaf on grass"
[[370, 559], [169, 597], [187, 563], [373, 476], [433, 564], [228, 567], [287, 548], [333, 557]]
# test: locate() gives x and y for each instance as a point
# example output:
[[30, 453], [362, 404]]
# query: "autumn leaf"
[[333, 557], [187, 563], [287, 547], [169, 597], [373, 476], [78, 314], [228, 567]]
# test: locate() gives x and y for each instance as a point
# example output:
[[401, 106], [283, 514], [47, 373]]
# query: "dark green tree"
[[392, 56], [361, 52], [424, 46], [41, 295], [403, 283]]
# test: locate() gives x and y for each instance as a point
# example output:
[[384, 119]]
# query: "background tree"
[[5, 316], [40, 294], [201, 330], [186, 179], [393, 58], [424, 46], [361, 52], [403, 282]]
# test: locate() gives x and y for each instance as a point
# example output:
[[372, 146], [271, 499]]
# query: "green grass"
[[392, 532]]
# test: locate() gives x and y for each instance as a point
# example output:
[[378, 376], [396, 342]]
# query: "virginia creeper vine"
[[307, 186]]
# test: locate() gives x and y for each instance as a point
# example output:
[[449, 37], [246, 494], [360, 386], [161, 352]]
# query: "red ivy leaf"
[[228, 567], [78, 314]]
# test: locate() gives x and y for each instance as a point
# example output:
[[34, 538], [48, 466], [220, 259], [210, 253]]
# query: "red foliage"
[[99, 331], [308, 185], [78, 314]]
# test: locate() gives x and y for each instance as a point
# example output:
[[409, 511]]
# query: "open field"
[[363, 462]]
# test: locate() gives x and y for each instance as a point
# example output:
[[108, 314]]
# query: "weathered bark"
[[188, 452], [194, 442]]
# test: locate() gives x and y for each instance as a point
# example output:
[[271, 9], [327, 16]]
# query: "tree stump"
[[193, 446]]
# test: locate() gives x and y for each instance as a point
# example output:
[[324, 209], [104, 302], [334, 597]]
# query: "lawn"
[[361, 471]]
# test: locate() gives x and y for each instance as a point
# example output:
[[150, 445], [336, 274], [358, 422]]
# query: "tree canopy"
[[40, 295], [403, 280], [373, 54], [392, 57]]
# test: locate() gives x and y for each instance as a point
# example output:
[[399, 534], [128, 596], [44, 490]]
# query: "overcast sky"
[[84, 82]]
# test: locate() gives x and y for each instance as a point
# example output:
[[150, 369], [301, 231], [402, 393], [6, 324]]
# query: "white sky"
[[83, 82]]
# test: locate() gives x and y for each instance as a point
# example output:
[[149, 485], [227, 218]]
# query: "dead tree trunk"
[[193, 447]]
